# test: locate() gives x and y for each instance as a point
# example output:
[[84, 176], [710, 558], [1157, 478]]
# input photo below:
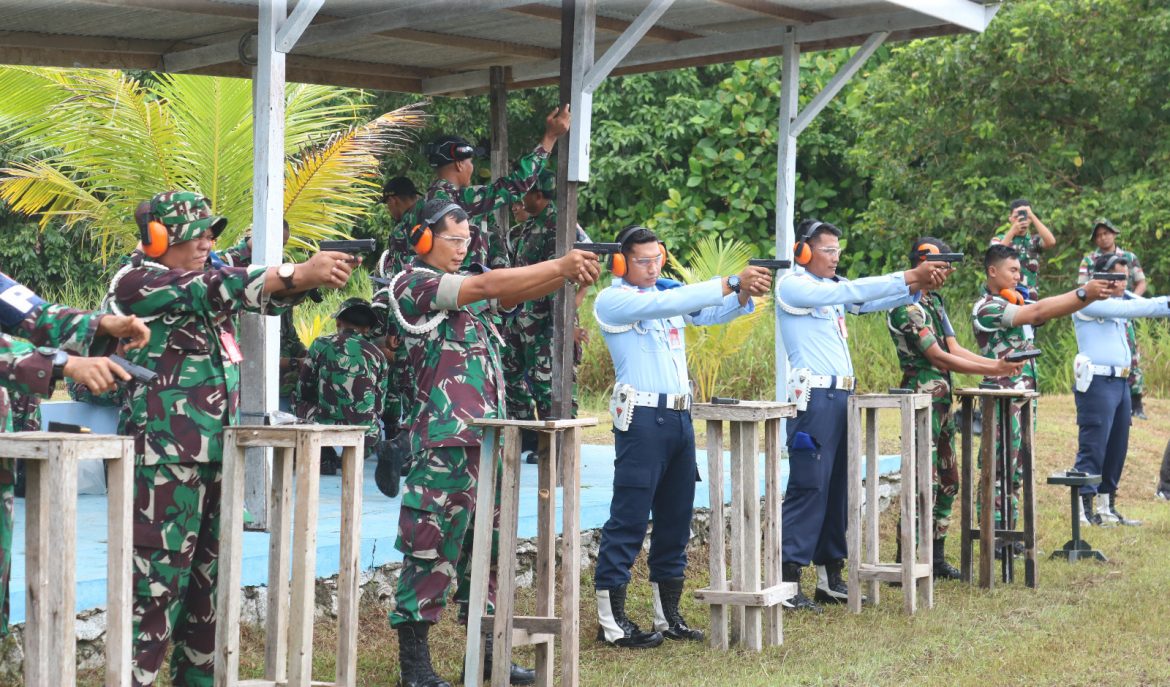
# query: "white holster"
[[800, 381], [621, 406], [1082, 372]]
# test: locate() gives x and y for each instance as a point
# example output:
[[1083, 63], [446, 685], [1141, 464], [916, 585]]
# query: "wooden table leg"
[[276, 624], [718, 557], [304, 577], [853, 534], [1027, 455], [924, 475], [506, 566], [988, 440], [774, 618], [350, 565], [481, 558], [231, 535], [571, 559], [738, 628], [967, 501], [872, 500], [120, 566], [910, 514], [546, 550], [750, 502]]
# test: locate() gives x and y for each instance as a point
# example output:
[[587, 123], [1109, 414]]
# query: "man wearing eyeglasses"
[[642, 318], [812, 301], [446, 316]]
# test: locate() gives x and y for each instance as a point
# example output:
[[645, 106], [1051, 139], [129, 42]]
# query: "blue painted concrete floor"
[[378, 525]]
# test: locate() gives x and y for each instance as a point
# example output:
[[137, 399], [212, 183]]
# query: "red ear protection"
[[422, 239], [802, 253], [1012, 296], [154, 239]]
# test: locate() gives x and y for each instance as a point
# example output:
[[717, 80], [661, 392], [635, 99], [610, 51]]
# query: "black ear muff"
[[154, 238], [802, 253]]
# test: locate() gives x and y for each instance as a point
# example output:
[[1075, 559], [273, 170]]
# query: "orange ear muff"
[[421, 239], [1012, 296], [802, 253], [925, 250], [617, 265], [154, 239]]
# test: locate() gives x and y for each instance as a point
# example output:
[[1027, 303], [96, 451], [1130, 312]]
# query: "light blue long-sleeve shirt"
[[1100, 326], [812, 315], [651, 354]]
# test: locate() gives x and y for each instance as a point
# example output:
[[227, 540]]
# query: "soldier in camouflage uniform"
[[1004, 323], [451, 339], [177, 420], [64, 335], [1028, 245], [928, 353], [343, 380], [1105, 237], [402, 202]]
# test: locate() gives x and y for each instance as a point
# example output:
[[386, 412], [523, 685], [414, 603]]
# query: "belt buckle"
[[1124, 372], [680, 402]]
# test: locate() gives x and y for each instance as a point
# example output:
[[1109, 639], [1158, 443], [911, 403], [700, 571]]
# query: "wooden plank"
[[737, 582], [781, 12], [909, 509], [974, 392], [872, 519], [773, 617], [231, 550], [892, 401], [506, 565], [717, 559], [532, 624], [892, 572], [571, 560], [987, 491], [546, 552], [750, 447], [51, 532], [853, 534], [610, 24], [769, 597], [349, 570], [534, 424], [41, 445], [302, 605], [1028, 504], [119, 565], [744, 411], [966, 498], [925, 496], [280, 525], [481, 558]]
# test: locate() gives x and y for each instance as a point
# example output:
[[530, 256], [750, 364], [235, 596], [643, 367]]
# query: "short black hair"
[[356, 317], [997, 254], [1105, 263], [1019, 203], [399, 186], [142, 215], [915, 250], [811, 228], [633, 235], [434, 206]]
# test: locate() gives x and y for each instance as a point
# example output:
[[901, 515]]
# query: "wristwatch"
[[1082, 294], [733, 283], [286, 272], [60, 359]]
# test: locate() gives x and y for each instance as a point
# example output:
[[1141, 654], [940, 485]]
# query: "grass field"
[[1087, 624]]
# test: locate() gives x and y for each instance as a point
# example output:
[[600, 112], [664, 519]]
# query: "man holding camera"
[[1030, 237], [928, 353], [1105, 238]]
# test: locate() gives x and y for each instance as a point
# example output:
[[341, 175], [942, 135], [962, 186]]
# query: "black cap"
[[447, 149], [399, 186]]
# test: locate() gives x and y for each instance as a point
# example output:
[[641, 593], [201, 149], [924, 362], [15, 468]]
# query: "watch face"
[[285, 270]]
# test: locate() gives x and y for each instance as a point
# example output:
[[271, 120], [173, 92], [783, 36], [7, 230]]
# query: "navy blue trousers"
[[816, 501], [1103, 421], [654, 473]]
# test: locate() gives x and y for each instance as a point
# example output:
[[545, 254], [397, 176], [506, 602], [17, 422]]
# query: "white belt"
[[831, 382], [1109, 371], [673, 401]]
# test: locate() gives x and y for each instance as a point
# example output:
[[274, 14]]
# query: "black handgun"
[[899, 390], [139, 373], [599, 248], [67, 427], [351, 246], [1021, 356], [770, 264], [719, 400], [1111, 276], [943, 257]]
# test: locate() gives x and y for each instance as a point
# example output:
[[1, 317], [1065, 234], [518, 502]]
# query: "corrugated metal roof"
[[438, 47]]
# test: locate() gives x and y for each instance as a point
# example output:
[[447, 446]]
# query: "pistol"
[[599, 248], [1021, 356], [67, 427], [724, 401], [139, 373], [770, 264], [351, 246], [1110, 276], [943, 257]]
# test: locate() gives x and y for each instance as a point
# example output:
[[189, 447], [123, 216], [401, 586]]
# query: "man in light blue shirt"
[[642, 319], [1102, 393], [811, 304]]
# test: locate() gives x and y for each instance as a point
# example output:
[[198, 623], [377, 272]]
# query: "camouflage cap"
[[1102, 222], [186, 215], [356, 311], [546, 182]]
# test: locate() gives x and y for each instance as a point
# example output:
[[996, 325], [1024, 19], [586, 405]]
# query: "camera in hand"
[[1022, 215]]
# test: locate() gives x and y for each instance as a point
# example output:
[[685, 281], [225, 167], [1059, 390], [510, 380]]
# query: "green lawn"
[[1087, 624]]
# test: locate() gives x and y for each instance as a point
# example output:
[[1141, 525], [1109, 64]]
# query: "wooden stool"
[[747, 599], [1076, 549], [508, 629], [916, 501], [991, 400], [288, 656], [50, 645]]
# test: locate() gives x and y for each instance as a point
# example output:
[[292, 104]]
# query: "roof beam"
[[842, 77], [788, 14], [696, 48], [398, 18], [293, 27], [481, 44], [610, 24], [973, 16], [201, 7], [625, 42], [132, 46]]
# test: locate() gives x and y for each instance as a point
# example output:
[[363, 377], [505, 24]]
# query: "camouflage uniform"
[[1029, 247], [343, 382], [292, 349], [1136, 379], [26, 369], [460, 377], [400, 383], [915, 328], [177, 423], [996, 340]]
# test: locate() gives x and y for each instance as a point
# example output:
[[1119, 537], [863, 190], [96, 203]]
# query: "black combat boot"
[[790, 572], [615, 629], [1135, 409], [517, 676], [831, 589], [667, 619], [1088, 515], [414, 657], [943, 570]]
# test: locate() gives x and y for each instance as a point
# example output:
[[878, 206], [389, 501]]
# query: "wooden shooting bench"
[[50, 646], [743, 593], [288, 654]]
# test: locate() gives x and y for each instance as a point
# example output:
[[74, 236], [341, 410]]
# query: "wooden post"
[[718, 555], [276, 634], [120, 565], [990, 433], [546, 553], [506, 567], [967, 500], [498, 115]]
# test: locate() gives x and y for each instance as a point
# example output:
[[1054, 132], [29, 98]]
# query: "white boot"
[[1107, 516]]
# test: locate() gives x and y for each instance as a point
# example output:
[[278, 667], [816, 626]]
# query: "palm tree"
[[91, 144]]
